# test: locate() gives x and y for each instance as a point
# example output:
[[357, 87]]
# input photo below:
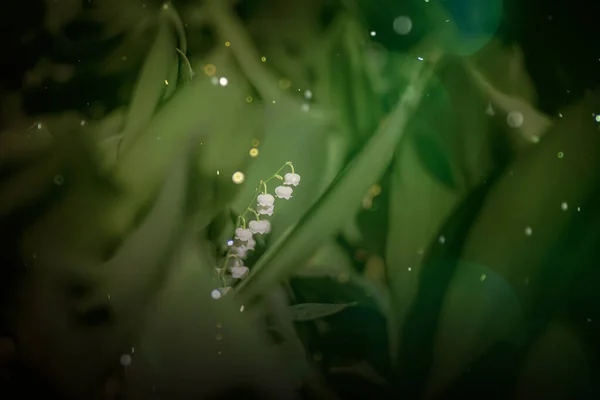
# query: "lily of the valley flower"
[[248, 244], [244, 240], [265, 210], [291, 179], [239, 272], [260, 227], [239, 251], [243, 234], [265, 200], [284, 192], [233, 262]]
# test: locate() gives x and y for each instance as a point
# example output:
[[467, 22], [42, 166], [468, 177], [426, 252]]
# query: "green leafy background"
[[417, 258]]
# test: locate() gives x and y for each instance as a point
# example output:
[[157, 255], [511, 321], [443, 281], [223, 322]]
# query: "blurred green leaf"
[[312, 311], [535, 123], [362, 370], [418, 206], [569, 149], [188, 72], [219, 338], [350, 91], [373, 219], [341, 199], [285, 341], [433, 130], [431, 152], [503, 245], [479, 309], [473, 143], [329, 273], [418, 327], [150, 88], [173, 77], [109, 126], [111, 294], [227, 123]]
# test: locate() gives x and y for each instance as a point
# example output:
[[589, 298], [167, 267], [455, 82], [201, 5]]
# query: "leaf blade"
[[151, 84], [311, 311]]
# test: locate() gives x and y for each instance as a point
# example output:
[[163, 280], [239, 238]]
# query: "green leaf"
[[546, 179], [433, 132], [479, 309], [221, 114], [362, 370], [418, 206], [499, 247], [432, 154], [350, 91], [311, 311], [113, 288], [151, 87], [188, 72], [332, 262], [225, 341], [171, 82], [473, 145], [340, 201], [535, 123], [418, 328]]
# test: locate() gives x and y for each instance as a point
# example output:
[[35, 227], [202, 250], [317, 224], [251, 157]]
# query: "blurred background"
[[441, 241]]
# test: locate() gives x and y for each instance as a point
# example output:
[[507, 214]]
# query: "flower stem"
[[252, 210], [291, 166]]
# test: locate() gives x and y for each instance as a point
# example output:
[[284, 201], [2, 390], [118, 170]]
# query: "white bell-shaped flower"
[[248, 244], [262, 226], [265, 200], [240, 251], [291, 179], [239, 272], [284, 192], [243, 234], [233, 262], [265, 210]]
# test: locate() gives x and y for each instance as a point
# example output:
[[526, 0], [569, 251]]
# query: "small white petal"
[[243, 234], [284, 192], [265, 199], [265, 210], [241, 252], [239, 272], [215, 294], [291, 179], [249, 244]]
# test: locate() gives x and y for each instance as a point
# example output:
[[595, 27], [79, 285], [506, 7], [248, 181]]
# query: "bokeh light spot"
[[210, 69], [238, 177]]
